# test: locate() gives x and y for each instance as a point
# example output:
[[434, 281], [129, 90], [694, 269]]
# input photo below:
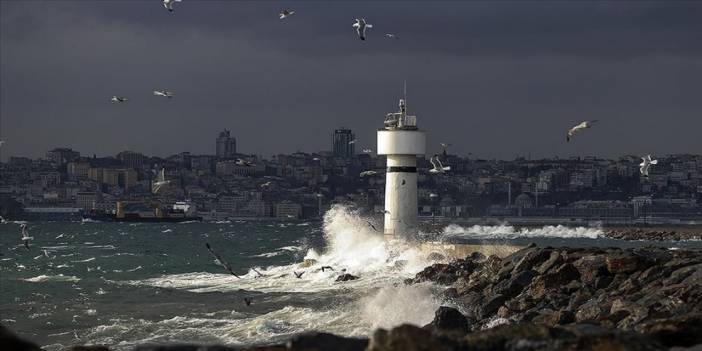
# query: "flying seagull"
[[438, 167], [579, 127], [327, 267], [265, 185], [240, 162], [25, 236], [221, 261], [286, 13], [361, 26], [367, 151], [433, 195], [352, 141], [372, 226], [368, 173], [247, 301], [298, 275], [384, 211], [445, 145], [118, 99], [163, 93], [646, 164], [391, 36], [160, 181], [168, 4]]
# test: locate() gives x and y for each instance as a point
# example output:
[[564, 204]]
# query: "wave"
[[510, 232], [52, 278]]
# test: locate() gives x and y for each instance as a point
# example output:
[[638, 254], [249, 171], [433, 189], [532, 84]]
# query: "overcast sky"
[[496, 79]]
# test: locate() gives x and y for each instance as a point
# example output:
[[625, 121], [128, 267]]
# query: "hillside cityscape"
[[66, 184]]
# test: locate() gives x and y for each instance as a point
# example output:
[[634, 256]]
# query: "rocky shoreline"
[[541, 299], [655, 233]]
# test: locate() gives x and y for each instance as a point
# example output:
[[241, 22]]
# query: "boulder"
[[325, 341], [409, 338], [623, 263], [448, 319], [10, 341]]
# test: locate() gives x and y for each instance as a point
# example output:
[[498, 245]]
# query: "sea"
[[125, 284]]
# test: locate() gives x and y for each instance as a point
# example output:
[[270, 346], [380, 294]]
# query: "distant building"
[[287, 209], [60, 156], [226, 145], [131, 159], [341, 143], [78, 169]]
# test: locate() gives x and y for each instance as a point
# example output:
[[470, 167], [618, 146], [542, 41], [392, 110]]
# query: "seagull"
[[384, 211], [579, 127], [247, 301], [445, 145], [372, 226], [160, 181], [368, 173], [25, 236], [361, 26], [168, 4], [298, 275], [646, 164], [118, 99], [221, 261], [2, 142], [352, 141], [391, 36], [367, 151], [327, 267], [433, 195], [285, 13], [163, 93], [438, 167], [240, 162], [266, 184], [315, 159], [257, 272]]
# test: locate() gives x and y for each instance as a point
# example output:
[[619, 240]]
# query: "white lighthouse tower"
[[402, 142]]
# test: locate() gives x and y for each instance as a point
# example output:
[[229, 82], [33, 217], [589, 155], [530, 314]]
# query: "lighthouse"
[[401, 141]]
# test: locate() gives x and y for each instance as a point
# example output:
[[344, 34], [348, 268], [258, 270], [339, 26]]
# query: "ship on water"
[[135, 212]]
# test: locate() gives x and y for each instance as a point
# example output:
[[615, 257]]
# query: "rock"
[[408, 338], [683, 331], [10, 341], [89, 348], [623, 263], [491, 305], [532, 259], [590, 268], [448, 319], [346, 277], [589, 312], [514, 285], [553, 260], [325, 341]]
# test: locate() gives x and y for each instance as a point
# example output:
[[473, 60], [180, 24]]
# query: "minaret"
[[402, 142]]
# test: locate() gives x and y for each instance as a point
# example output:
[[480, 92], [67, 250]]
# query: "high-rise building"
[[343, 143], [226, 145], [131, 159], [61, 155]]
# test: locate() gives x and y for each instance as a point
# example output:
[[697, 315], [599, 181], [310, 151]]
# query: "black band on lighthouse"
[[401, 169]]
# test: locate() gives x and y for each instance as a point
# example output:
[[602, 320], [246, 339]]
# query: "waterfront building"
[[225, 145]]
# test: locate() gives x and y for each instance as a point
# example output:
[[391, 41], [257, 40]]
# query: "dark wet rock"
[[448, 319], [346, 277], [325, 341], [682, 331], [409, 338], [623, 263], [10, 341], [613, 288], [654, 234]]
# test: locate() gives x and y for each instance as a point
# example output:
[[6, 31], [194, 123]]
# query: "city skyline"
[[471, 80]]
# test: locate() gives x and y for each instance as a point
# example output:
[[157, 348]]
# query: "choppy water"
[[126, 284]]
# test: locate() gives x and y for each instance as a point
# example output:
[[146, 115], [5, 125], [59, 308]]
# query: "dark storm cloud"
[[494, 78]]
